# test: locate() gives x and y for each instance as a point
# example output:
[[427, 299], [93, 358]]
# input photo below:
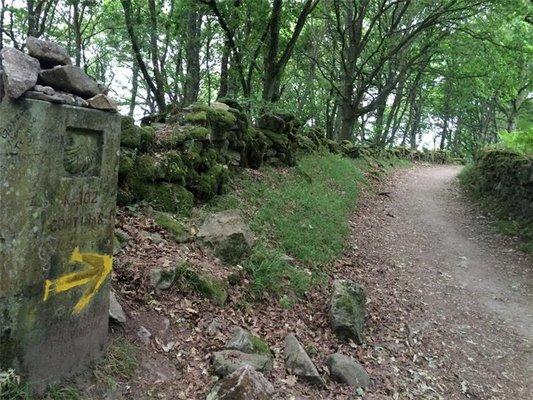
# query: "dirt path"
[[456, 296]]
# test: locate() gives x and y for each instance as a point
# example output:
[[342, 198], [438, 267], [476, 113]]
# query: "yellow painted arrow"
[[99, 267]]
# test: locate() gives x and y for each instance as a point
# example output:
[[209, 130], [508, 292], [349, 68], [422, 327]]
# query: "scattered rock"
[[347, 370], [162, 278], [244, 341], [220, 106], [155, 237], [45, 89], [298, 362], [34, 95], [144, 334], [48, 53], [347, 309], [226, 362], [20, 72], [102, 102], [244, 383], [230, 237], [122, 236], [116, 313], [71, 79], [214, 327]]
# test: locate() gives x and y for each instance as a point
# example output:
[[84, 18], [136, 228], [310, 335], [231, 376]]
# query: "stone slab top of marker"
[[46, 73]]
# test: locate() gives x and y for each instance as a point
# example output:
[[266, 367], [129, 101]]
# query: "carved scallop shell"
[[81, 155]]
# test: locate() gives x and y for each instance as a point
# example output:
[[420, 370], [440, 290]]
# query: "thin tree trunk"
[[192, 56], [223, 89], [134, 88]]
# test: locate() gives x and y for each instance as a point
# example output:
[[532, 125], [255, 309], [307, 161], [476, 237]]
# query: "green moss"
[[174, 168], [233, 250], [208, 286], [259, 345], [147, 134], [175, 139], [198, 132], [163, 196], [210, 183], [127, 122], [231, 102], [130, 137], [148, 168], [221, 120], [198, 117], [126, 162], [177, 229]]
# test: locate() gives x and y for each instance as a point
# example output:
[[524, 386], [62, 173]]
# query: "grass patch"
[[120, 361], [301, 212], [12, 388], [271, 274]]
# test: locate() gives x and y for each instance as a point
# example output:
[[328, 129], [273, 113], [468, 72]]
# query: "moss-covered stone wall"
[[190, 156], [506, 176]]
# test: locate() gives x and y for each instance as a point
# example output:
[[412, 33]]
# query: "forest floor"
[[449, 312]]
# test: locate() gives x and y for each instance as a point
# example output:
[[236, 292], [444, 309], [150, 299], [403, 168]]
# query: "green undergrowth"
[[120, 361], [503, 220], [12, 388], [300, 213]]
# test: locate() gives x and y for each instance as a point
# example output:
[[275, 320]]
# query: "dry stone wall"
[[190, 156]]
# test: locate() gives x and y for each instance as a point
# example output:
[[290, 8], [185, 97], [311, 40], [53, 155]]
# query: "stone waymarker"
[[58, 184]]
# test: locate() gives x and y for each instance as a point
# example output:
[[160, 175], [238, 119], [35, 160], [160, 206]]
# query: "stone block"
[[58, 185]]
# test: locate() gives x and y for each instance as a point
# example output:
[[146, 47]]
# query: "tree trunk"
[[348, 119], [76, 25], [192, 56], [223, 89], [134, 88], [415, 126]]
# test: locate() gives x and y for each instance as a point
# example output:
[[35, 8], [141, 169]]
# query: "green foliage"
[[11, 387], [521, 141]]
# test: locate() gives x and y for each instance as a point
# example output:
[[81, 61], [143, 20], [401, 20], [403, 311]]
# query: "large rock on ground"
[[227, 233], [226, 362], [116, 313], [71, 79], [20, 72], [243, 384], [48, 53], [244, 341], [347, 309], [298, 362], [346, 370], [162, 278]]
